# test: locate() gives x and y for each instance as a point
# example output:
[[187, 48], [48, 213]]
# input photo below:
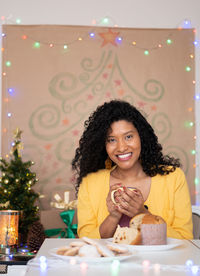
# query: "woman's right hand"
[[112, 208]]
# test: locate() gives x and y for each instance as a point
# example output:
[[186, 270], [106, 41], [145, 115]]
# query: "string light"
[[8, 63], [197, 97], [10, 91], [186, 24], [169, 41], [65, 46], [36, 44], [92, 34], [196, 181], [18, 20], [187, 68], [146, 52]]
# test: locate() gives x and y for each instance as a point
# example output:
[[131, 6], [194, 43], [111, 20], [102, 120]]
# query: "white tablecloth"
[[153, 263]]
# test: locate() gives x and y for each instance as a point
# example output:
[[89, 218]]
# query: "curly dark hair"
[[91, 154]]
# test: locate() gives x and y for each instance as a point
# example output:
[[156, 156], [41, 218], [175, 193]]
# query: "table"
[[153, 263]]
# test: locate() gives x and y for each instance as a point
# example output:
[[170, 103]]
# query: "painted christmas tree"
[[16, 184]]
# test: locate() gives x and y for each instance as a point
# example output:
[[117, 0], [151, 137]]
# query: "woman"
[[118, 135]]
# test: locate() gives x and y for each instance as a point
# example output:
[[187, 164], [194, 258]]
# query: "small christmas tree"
[[16, 184]]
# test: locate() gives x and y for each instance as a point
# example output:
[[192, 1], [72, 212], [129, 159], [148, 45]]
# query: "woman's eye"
[[111, 140], [128, 137]]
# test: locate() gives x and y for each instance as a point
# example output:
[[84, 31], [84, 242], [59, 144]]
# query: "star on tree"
[[109, 37]]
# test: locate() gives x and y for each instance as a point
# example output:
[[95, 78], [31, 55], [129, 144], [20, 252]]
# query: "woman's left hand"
[[131, 202]]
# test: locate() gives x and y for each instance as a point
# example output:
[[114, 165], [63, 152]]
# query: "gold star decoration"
[[109, 37], [17, 134]]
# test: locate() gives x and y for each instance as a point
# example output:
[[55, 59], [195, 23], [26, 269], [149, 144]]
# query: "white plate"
[[171, 243], [77, 259]]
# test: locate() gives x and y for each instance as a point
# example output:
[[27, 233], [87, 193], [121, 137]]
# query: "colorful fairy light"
[[105, 20], [9, 114], [10, 91], [169, 41], [193, 152], [196, 181], [24, 37], [115, 266], [92, 34], [194, 269], [187, 68], [18, 20], [146, 52], [197, 97], [187, 24], [65, 46], [36, 44], [8, 63]]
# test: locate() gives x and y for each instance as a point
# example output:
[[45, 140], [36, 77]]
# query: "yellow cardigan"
[[169, 198]]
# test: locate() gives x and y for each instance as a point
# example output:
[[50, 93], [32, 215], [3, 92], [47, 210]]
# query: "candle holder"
[[9, 221]]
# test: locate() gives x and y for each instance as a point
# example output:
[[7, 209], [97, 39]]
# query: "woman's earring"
[[108, 164]]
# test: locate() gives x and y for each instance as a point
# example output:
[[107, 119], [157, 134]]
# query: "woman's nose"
[[121, 145]]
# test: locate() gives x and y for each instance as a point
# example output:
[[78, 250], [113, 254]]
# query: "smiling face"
[[123, 144]]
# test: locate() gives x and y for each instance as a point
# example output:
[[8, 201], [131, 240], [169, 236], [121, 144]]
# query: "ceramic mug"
[[120, 188]]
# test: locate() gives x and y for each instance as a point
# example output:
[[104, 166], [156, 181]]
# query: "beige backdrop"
[[55, 90]]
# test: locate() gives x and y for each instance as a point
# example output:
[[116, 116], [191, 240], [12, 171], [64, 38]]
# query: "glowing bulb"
[[8, 63], [169, 41], [43, 259], [65, 46], [194, 269], [4, 74], [91, 34], [195, 42], [197, 97], [72, 261], [2, 49], [187, 68], [189, 263], [105, 20], [146, 52], [119, 39], [146, 263], [18, 20], [159, 45], [134, 43], [196, 181], [186, 24], [9, 114], [80, 38], [191, 56], [3, 35], [37, 44], [24, 37], [193, 152], [10, 90], [51, 45]]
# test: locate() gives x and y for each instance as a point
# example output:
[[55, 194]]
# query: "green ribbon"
[[70, 231]]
